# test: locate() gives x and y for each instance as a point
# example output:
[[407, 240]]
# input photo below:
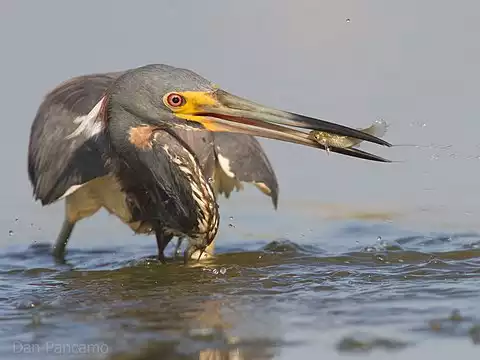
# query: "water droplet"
[[215, 272], [230, 218], [347, 20], [231, 225], [16, 219], [223, 271], [10, 232], [379, 238]]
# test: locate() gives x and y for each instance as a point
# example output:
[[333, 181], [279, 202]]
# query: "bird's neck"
[[119, 122]]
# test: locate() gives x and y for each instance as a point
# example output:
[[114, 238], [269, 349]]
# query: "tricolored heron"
[[58, 165], [146, 150]]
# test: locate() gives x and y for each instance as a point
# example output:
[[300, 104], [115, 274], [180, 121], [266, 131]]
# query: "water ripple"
[[409, 282]]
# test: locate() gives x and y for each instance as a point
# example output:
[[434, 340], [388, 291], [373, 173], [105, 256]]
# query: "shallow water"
[[361, 259], [396, 294]]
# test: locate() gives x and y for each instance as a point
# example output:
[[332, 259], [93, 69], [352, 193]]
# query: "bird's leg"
[[177, 247], [162, 242], [62, 239], [187, 254], [78, 205]]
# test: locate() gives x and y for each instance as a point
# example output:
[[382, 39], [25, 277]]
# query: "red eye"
[[175, 100]]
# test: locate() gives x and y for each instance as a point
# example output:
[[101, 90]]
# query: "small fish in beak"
[[377, 129]]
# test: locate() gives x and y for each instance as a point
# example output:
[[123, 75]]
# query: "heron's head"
[[163, 95]]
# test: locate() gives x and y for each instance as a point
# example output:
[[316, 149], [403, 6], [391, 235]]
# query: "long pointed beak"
[[222, 111]]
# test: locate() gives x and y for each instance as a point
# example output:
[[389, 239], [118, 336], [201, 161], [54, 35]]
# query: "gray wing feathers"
[[56, 163], [243, 157]]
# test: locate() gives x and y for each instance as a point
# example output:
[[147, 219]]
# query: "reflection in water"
[[205, 337], [166, 310]]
